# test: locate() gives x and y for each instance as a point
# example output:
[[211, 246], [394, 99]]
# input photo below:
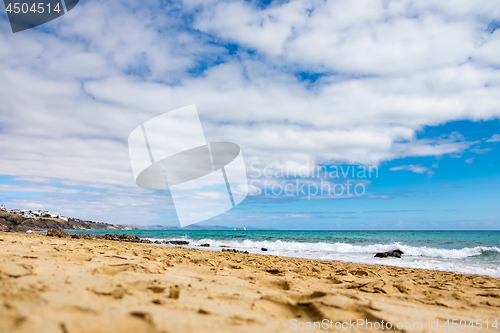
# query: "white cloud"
[[411, 167], [356, 37], [37, 189], [478, 150], [494, 138], [470, 160]]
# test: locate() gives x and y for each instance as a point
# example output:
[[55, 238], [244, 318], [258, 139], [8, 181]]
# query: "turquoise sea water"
[[473, 252]]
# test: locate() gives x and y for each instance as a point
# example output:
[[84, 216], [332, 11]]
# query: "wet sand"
[[66, 285]]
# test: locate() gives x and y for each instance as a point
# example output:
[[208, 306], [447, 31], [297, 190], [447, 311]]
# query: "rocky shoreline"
[[114, 237]]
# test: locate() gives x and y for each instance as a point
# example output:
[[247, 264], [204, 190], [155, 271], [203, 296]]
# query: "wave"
[[481, 260], [281, 247]]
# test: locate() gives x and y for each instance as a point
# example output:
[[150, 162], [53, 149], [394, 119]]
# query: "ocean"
[[471, 252]]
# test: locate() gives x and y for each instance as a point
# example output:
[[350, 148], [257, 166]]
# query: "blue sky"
[[409, 88]]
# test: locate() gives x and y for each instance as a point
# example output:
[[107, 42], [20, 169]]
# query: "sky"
[[409, 90]]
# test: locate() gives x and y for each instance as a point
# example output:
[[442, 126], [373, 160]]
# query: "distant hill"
[[14, 222]]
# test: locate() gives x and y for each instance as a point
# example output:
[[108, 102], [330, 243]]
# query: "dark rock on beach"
[[205, 245], [113, 237], [394, 254], [177, 242], [233, 250], [57, 233], [117, 237], [263, 249]]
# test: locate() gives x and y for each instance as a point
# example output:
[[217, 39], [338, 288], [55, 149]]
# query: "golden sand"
[[70, 285]]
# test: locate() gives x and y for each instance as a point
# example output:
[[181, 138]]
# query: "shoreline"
[[95, 285], [462, 266]]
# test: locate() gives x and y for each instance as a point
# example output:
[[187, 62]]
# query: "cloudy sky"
[[408, 88]]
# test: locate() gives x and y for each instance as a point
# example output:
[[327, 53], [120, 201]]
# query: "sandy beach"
[[50, 284]]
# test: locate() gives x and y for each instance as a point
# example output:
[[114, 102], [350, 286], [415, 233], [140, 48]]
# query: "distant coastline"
[[23, 221]]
